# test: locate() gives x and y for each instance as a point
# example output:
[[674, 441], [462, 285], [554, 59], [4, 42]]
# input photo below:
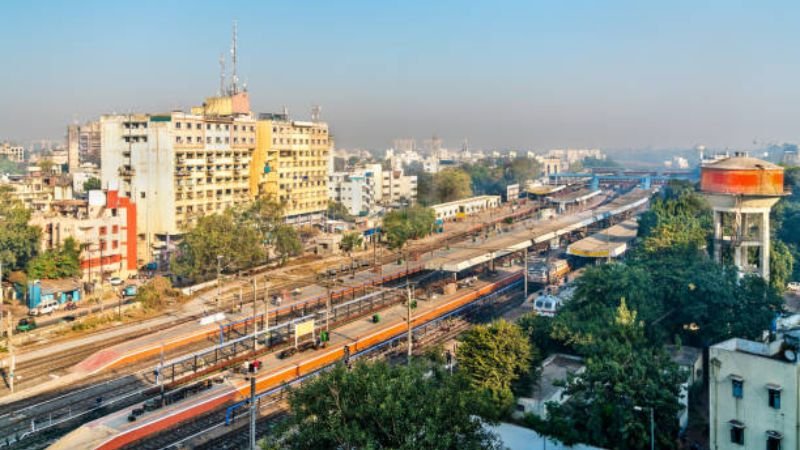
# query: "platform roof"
[[472, 254], [574, 197], [609, 243]]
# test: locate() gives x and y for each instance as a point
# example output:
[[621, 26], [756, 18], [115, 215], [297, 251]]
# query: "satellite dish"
[[790, 355]]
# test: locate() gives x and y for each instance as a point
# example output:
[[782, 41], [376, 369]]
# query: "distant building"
[[463, 208], [14, 153], [405, 145], [83, 145], [572, 155], [754, 390], [37, 190], [105, 228], [362, 190]]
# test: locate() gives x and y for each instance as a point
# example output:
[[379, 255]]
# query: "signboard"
[[512, 192], [303, 328]]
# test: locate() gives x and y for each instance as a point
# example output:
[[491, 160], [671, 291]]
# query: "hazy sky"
[[524, 74]]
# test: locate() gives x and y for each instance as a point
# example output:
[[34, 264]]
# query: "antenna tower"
[[221, 74], [234, 76], [315, 113]]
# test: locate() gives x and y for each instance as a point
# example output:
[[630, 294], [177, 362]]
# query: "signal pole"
[[408, 312]]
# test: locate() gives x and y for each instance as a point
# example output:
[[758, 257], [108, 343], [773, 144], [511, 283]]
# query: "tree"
[[781, 265], [92, 184], [623, 372], [337, 211], [265, 215], [679, 217], [287, 243], [493, 357], [62, 262], [350, 242], [401, 225], [380, 406], [218, 235], [10, 167], [46, 165], [520, 170], [19, 241], [452, 184]]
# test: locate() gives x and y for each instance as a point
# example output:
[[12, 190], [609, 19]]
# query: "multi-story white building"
[[754, 393], [15, 153], [364, 189], [179, 166], [37, 190]]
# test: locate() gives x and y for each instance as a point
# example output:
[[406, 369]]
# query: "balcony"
[[126, 171]]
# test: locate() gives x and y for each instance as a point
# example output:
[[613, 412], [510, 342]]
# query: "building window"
[[774, 396], [774, 439], [737, 387], [737, 432], [178, 125]]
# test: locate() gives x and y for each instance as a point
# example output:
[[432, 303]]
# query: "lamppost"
[[652, 424]]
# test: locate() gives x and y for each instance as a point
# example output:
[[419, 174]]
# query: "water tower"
[[742, 191]]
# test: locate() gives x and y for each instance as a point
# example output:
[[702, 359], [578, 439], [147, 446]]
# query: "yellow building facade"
[[290, 164]]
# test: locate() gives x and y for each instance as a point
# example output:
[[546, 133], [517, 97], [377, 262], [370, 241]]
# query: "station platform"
[[608, 243], [470, 255], [115, 431]]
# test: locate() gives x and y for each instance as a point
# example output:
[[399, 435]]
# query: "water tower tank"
[[742, 175], [741, 191]]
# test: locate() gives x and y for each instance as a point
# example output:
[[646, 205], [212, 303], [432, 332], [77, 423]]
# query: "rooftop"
[[555, 368], [743, 163]]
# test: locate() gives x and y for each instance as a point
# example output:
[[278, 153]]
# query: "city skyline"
[[514, 75]]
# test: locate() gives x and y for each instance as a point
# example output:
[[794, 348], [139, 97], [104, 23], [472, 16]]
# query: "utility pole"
[[266, 312], [253, 412], [525, 272], [219, 282], [255, 312], [13, 365], [408, 312]]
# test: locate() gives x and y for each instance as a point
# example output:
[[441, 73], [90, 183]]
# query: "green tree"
[[218, 235], [781, 265], [265, 215], [287, 242], [414, 222], [10, 167], [62, 262], [452, 184], [624, 371], [520, 170], [19, 241], [92, 184], [678, 217], [351, 242], [337, 211], [494, 356], [380, 406]]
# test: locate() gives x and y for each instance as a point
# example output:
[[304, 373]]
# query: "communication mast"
[[234, 75], [221, 74], [315, 113]]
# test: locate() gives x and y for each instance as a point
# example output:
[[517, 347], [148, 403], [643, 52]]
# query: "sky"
[[502, 74]]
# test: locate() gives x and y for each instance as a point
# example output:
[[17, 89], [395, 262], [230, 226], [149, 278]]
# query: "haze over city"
[[521, 74]]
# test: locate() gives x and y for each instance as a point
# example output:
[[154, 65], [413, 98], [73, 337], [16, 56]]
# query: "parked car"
[[794, 286], [45, 307], [26, 325], [115, 281], [130, 290]]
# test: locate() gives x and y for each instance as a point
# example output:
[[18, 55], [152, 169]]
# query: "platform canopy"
[[609, 243]]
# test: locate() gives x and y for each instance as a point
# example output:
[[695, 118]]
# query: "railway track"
[[191, 434]]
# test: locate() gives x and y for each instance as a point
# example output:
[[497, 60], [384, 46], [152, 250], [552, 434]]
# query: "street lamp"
[[652, 424]]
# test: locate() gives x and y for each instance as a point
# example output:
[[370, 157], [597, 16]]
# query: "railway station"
[[609, 243], [358, 312]]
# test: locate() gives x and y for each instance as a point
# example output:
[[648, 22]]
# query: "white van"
[[46, 307]]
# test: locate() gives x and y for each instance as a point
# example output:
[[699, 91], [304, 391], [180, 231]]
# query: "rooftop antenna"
[[315, 112], [285, 111], [234, 75], [221, 74]]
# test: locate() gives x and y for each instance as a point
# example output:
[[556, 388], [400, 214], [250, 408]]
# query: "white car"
[[115, 281], [794, 286]]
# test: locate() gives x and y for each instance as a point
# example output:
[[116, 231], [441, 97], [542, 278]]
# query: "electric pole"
[[13, 357], [408, 312], [253, 412]]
